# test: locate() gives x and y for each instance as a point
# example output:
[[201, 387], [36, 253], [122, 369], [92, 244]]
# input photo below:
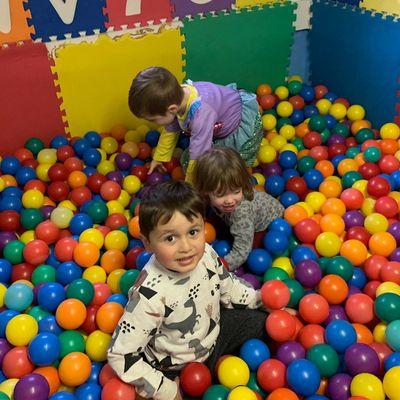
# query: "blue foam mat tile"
[[356, 54], [350, 2]]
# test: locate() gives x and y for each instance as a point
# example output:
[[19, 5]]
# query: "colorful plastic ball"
[[280, 325], [67, 272], [74, 369], [43, 273], [325, 358], [367, 386], [50, 295], [31, 387], [271, 374], [392, 360], [333, 288], [21, 329], [308, 273], [13, 251], [258, 261], [254, 352], [355, 251], [71, 314], [97, 344], [36, 252], [360, 308], [387, 307], [86, 254], [62, 395], [393, 335], [340, 335], [303, 377], [108, 315], [314, 308], [115, 389], [195, 379], [233, 371], [290, 351], [328, 244], [296, 292], [80, 289], [361, 358], [307, 230], [44, 349], [18, 297], [216, 392]]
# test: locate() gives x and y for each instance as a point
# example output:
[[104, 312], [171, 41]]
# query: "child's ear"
[[146, 243], [173, 108]]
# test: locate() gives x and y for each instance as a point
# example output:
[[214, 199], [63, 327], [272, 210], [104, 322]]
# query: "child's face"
[[179, 244], [165, 119], [226, 202]]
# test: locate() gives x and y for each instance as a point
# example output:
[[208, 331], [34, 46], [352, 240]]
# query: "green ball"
[[133, 205], [98, 211], [34, 145], [38, 313], [124, 228], [253, 385], [43, 273], [325, 358], [294, 87], [70, 342], [30, 217], [81, 289], [275, 273], [372, 154], [13, 252], [296, 292], [341, 266], [3, 396], [298, 143], [127, 280], [323, 263], [387, 307], [349, 178], [271, 111], [293, 243], [341, 129], [216, 392], [364, 134], [352, 152], [325, 134], [317, 123], [282, 122], [305, 164]]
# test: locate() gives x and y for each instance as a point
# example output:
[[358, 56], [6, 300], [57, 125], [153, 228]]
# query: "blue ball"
[[390, 179], [5, 317], [303, 377], [137, 161], [89, 171], [58, 141], [152, 137], [9, 165], [310, 111], [301, 253], [5, 270], [287, 159], [134, 243], [297, 117], [183, 142], [79, 223], [222, 247], [258, 261], [392, 360], [24, 175], [18, 297], [289, 173], [396, 177], [67, 272], [81, 146], [95, 372], [91, 157], [63, 396], [49, 324], [118, 298], [254, 352], [10, 203], [336, 160], [50, 295], [93, 138], [317, 397], [44, 349], [280, 225], [12, 191], [142, 259], [275, 242], [359, 279], [88, 391], [2, 377], [288, 198], [313, 178], [331, 96], [275, 185], [340, 334], [307, 93], [330, 121], [52, 259]]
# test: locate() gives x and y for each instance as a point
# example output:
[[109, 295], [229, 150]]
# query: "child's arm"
[[135, 329], [272, 208]]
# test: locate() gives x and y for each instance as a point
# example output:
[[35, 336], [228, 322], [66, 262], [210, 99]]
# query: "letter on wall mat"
[[249, 46], [388, 6], [28, 101], [94, 78]]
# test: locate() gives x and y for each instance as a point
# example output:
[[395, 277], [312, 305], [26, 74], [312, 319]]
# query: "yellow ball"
[[131, 184], [368, 206], [379, 332], [95, 274], [143, 129], [285, 264], [61, 216], [124, 198], [328, 244], [103, 154], [114, 278], [115, 207], [3, 290], [112, 157], [2, 184], [260, 178], [32, 198], [277, 142], [8, 386], [96, 345], [92, 235], [323, 106], [116, 240], [288, 132], [376, 222], [390, 131], [47, 156], [391, 383], [295, 78], [367, 385], [269, 122], [67, 204], [109, 145], [361, 185], [27, 237], [21, 329], [315, 200], [242, 393], [233, 371], [266, 154], [338, 111], [133, 136], [290, 147], [307, 207], [106, 166], [387, 287], [284, 109], [282, 92], [355, 112]]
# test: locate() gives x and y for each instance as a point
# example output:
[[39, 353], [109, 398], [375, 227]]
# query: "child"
[[222, 177], [210, 114], [173, 315]]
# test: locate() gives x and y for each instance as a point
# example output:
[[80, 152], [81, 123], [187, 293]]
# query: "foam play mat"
[[388, 6]]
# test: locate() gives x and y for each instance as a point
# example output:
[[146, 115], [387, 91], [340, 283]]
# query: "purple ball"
[[272, 169], [395, 255], [394, 230], [353, 290], [32, 387], [6, 237], [115, 176], [336, 312], [154, 178], [239, 272], [252, 279], [308, 273], [46, 211], [123, 161], [5, 347], [290, 351], [336, 139], [361, 358], [339, 387], [353, 218]]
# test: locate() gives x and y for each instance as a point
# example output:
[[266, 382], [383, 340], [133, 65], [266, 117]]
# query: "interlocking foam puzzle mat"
[[356, 54], [251, 3], [183, 8], [13, 22], [225, 47], [94, 78], [350, 2], [388, 6], [29, 105]]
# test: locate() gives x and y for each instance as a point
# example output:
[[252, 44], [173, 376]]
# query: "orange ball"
[[210, 232], [71, 314], [332, 223], [382, 243], [330, 189], [333, 288], [325, 167], [9, 180], [76, 179], [359, 159], [364, 335], [177, 174], [360, 124], [118, 132], [51, 376], [86, 254], [323, 386], [130, 148], [112, 259], [260, 188], [283, 394], [133, 227], [74, 369], [294, 214], [333, 206], [389, 146], [263, 89], [302, 129], [347, 165], [302, 153], [108, 315], [355, 251]]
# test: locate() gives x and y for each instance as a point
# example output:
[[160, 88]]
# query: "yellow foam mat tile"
[[251, 3], [94, 78], [387, 6]]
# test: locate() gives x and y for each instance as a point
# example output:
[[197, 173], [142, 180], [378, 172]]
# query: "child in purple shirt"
[[211, 114]]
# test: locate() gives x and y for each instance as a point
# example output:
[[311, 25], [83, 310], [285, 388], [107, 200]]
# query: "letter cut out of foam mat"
[[13, 22]]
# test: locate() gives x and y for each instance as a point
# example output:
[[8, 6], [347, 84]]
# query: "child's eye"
[[237, 191], [169, 238], [193, 232]]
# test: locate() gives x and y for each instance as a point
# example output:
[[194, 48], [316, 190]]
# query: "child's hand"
[[178, 393], [156, 166]]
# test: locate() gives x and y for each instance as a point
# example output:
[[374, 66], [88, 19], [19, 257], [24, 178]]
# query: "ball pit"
[[70, 250]]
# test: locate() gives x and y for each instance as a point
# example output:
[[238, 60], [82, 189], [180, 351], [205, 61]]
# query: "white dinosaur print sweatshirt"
[[172, 319]]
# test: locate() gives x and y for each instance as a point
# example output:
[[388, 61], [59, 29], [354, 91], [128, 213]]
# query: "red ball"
[[370, 288], [307, 230], [65, 152], [80, 195], [16, 363], [358, 233], [389, 163], [314, 308], [9, 221], [58, 191], [110, 190], [280, 325], [351, 142], [35, 184], [95, 181], [64, 249], [383, 351], [57, 172], [275, 294], [89, 324], [36, 252], [390, 272], [106, 374], [144, 150], [73, 164], [369, 170], [319, 153], [267, 101], [22, 271], [320, 91], [387, 206], [47, 231], [297, 102], [378, 186], [101, 293], [310, 335], [312, 139], [114, 221], [360, 308], [171, 165], [373, 266], [115, 389], [31, 163], [140, 171], [343, 101], [352, 198], [132, 255], [271, 374], [23, 154], [337, 149], [297, 185], [195, 379]]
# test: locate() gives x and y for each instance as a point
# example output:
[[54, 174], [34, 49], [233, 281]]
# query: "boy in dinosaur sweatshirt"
[[173, 315]]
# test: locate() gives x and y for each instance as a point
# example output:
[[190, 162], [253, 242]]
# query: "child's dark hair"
[[152, 91], [163, 200], [220, 170]]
